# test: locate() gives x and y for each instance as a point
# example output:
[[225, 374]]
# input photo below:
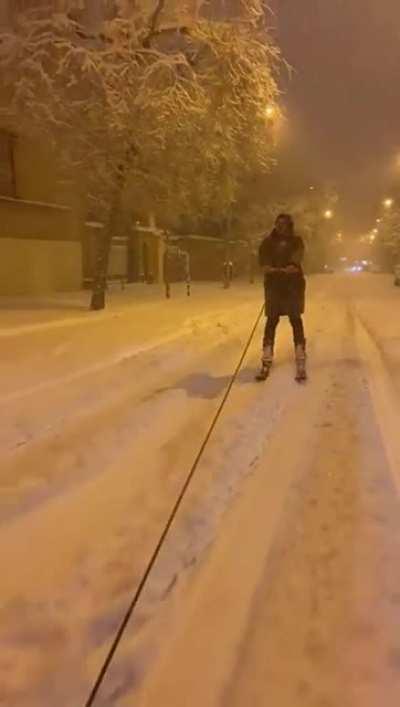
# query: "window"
[[7, 167]]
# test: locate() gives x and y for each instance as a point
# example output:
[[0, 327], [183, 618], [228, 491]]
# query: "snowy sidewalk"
[[46, 346], [21, 315]]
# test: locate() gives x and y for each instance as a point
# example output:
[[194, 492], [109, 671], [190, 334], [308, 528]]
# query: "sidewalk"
[[20, 315], [57, 341]]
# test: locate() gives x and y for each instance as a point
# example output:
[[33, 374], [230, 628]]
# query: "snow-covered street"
[[279, 583]]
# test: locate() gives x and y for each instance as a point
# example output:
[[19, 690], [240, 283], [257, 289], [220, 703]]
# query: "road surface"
[[280, 582]]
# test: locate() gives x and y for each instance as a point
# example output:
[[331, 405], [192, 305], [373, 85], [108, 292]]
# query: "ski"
[[264, 374], [301, 373]]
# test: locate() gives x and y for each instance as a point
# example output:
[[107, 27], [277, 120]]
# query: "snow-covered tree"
[[103, 101], [155, 105], [236, 65], [232, 138], [389, 232]]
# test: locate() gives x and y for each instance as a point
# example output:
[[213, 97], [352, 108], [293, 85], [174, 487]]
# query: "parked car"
[[355, 268], [397, 275]]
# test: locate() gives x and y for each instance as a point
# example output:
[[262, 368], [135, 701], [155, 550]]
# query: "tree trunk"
[[227, 269], [251, 267], [167, 272], [102, 261], [188, 277], [228, 253]]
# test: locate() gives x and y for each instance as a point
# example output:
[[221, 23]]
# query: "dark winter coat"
[[284, 292]]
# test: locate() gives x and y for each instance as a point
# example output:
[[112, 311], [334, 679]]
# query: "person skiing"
[[280, 256]]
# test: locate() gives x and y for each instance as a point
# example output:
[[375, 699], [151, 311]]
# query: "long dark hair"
[[289, 223]]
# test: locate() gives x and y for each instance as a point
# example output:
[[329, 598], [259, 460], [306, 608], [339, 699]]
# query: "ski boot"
[[301, 358], [266, 364]]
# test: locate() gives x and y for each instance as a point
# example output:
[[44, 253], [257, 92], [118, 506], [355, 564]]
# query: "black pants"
[[271, 326]]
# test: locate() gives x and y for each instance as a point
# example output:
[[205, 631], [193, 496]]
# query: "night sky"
[[343, 101]]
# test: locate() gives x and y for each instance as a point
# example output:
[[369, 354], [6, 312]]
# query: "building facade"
[[40, 237], [42, 233]]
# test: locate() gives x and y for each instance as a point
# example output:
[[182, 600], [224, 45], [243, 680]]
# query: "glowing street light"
[[270, 112], [378, 220], [388, 203], [328, 214]]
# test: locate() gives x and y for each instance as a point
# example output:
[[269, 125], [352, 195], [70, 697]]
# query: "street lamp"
[[270, 112], [388, 203], [328, 214]]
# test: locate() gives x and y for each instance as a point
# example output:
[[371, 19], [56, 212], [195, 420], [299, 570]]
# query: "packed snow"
[[279, 583]]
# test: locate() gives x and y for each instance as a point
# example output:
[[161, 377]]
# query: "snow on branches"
[[90, 95], [161, 107], [124, 91]]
